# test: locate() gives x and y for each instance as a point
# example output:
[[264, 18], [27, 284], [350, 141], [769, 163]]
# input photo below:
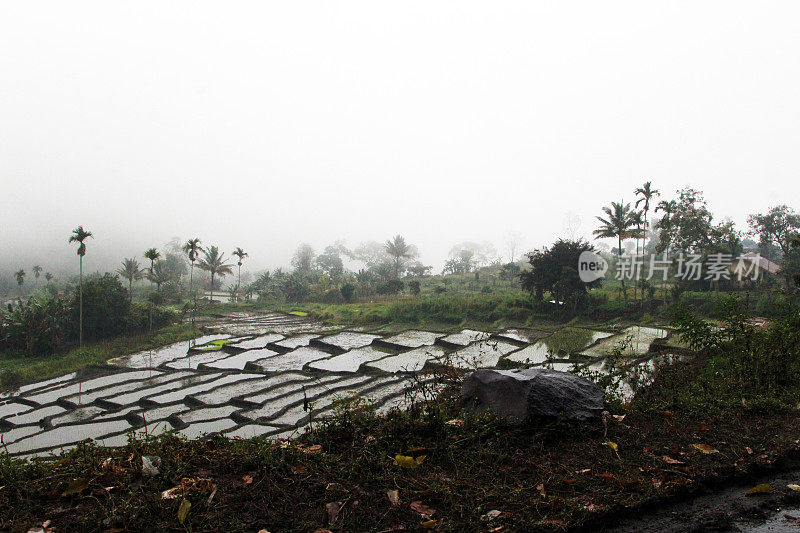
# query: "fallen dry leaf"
[[540, 488], [763, 488], [246, 480], [394, 497], [584, 471], [491, 515], [422, 509], [333, 509], [667, 414], [705, 448], [428, 524], [313, 449], [669, 460], [455, 422], [793, 487]]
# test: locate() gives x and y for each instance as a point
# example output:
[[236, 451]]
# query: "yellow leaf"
[[183, 510], [794, 487], [428, 524], [612, 445], [760, 489], [408, 462], [705, 448]]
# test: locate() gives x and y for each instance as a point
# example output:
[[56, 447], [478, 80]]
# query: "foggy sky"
[[266, 124]]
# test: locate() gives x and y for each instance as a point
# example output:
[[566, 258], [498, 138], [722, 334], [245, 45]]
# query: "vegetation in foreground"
[[717, 415]]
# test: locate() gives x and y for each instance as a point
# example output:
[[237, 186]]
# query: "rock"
[[150, 465], [521, 395]]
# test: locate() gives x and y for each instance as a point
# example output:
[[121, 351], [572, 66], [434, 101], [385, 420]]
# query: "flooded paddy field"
[[276, 374]]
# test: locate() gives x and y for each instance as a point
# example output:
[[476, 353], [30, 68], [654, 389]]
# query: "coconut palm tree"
[[48, 276], [37, 271], [79, 235], [214, 262], [241, 254], [130, 270], [619, 222], [192, 248], [646, 194], [20, 275], [399, 250]]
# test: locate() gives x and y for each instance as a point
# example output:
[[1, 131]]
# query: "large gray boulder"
[[521, 395]]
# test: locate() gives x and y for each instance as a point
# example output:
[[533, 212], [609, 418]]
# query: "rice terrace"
[[358, 266]]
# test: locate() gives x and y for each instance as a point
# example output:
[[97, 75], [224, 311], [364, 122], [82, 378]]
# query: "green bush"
[[106, 307]]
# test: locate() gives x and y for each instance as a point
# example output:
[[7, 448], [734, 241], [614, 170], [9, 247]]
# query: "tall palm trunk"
[[80, 304], [191, 289], [130, 289], [212, 286], [619, 258]]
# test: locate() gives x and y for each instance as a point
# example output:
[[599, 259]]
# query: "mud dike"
[[267, 375]]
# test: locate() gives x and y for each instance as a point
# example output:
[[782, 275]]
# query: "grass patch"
[[18, 370]]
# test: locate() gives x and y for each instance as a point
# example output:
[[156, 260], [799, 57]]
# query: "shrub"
[[106, 307], [35, 327], [393, 286]]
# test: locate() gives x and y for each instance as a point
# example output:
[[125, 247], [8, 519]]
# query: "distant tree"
[[48, 276], [330, 261], [37, 271], [555, 270], [646, 194], [400, 251], [192, 248], [79, 235], [214, 263], [417, 269], [20, 276], [686, 225], [348, 290], [778, 227], [160, 274], [130, 270], [470, 255], [303, 258], [513, 241], [152, 254], [240, 254], [618, 223]]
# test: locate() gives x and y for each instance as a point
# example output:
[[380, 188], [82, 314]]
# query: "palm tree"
[[37, 271], [241, 254], [646, 193], [399, 250], [130, 270], [79, 235], [151, 254], [214, 262], [48, 276], [20, 275], [619, 222], [192, 249]]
